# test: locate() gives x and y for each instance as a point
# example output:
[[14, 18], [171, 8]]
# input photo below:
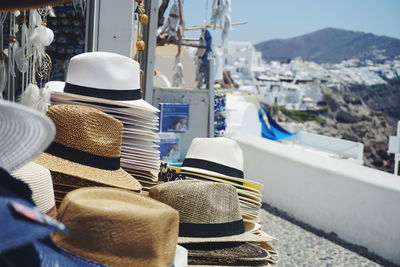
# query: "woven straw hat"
[[209, 212], [12, 5], [238, 254], [104, 77], [24, 134], [38, 178], [118, 228], [88, 146]]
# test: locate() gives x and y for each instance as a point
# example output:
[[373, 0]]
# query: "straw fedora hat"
[[12, 5], [88, 146], [118, 228], [24, 134], [38, 178], [208, 212], [104, 77]]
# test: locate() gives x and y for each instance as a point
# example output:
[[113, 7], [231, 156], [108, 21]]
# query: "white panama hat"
[[24, 134], [219, 156], [103, 78], [38, 178]]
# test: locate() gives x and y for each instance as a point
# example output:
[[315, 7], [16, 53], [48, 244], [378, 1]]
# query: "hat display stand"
[[75, 194]]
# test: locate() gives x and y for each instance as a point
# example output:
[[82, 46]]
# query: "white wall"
[[360, 204]]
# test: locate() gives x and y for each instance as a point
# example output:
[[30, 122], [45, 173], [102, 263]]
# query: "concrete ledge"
[[361, 205]]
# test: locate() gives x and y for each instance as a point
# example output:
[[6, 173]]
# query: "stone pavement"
[[302, 245]]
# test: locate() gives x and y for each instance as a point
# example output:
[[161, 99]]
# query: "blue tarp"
[[274, 131]]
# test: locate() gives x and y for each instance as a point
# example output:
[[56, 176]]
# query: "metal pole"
[[210, 84], [92, 23], [148, 59]]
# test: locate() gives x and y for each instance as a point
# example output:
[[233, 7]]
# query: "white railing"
[[361, 205]]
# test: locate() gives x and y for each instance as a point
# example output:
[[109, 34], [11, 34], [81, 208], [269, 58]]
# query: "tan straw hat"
[[38, 178], [209, 212], [87, 145], [118, 228]]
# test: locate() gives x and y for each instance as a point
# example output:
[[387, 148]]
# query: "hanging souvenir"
[[171, 26], [178, 78]]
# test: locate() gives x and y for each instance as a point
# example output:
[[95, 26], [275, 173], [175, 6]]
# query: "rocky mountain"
[[331, 45], [348, 117], [381, 97]]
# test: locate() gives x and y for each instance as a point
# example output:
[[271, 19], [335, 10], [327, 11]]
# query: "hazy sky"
[[270, 19]]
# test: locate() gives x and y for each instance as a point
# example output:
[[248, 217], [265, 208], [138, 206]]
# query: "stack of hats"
[[25, 133], [220, 159], [86, 151], [101, 225], [111, 83], [211, 224]]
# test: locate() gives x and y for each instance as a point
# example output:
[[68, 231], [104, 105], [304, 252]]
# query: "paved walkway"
[[300, 247]]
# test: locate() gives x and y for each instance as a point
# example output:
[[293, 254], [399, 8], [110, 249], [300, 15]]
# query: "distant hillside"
[[331, 46]]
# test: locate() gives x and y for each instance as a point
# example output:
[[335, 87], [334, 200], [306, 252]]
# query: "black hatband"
[[211, 229], [111, 94], [212, 166], [83, 157]]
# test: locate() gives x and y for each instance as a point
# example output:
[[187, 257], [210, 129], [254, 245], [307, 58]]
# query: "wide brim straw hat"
[[24, 134], [209, 212], [38, 178], [117, 178], [12, 5], [118, 228], [237, 254], [88, 146], [104, 77]]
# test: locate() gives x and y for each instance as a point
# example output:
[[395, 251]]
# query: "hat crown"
[[87, 129], [104, 70], [200, 202], [115, 227]]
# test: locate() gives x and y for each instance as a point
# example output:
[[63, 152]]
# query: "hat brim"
[[237, 255], [252, 185], [245, 237], [140, 103], [25, 133], [46, 254], [118, 178]]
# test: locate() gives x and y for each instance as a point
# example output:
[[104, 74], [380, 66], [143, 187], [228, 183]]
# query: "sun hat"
[[88, 146], [43, 253], [24, 230], [12, 5], [38, 178], [24, 134], [106, 78], [239, 254], [118, 228], [208, 212], [218, 156]]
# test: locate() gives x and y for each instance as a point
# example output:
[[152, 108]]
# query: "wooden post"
[[148, 55]]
